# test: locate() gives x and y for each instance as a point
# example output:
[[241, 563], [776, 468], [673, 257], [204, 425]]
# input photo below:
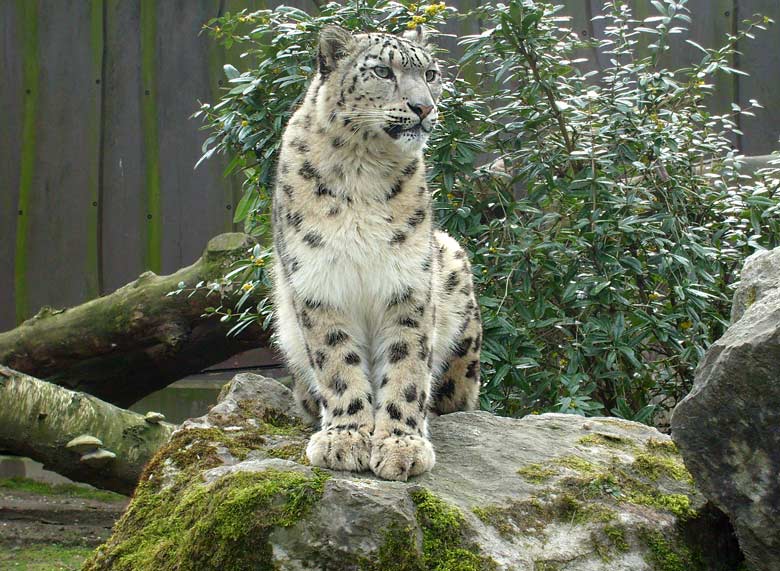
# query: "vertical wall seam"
[[29, 12], [151, 141], [736, 77], [97, 46], [102, 145], [216, 56]]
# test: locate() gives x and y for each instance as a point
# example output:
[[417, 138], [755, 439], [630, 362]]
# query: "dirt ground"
[[52, 531]]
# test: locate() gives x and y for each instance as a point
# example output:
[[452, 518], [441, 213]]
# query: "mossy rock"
[[231, 491]]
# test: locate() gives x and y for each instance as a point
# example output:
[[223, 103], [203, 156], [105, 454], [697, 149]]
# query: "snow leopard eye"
[[382, 71], [430, 75]]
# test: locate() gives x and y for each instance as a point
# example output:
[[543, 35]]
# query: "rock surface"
[[545, 493], [728, 427], [760, 275]]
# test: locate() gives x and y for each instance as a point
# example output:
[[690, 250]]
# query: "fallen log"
[[77, 435], [136, 340]]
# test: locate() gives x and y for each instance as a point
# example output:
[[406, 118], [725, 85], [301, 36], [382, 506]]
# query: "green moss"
[[617, 537], [621, 487], [497, 518], [197, 449], [655, 466], [294, 452], [269, 421], [536, 473], [547, 566], [445, 547], [578, 464], [445, 543], [677, 504], [70, 490], [609, 541], [606, 439], [204, 527], [399, 552], [662, 446], [532, 516], [669, 554], [751, 296]]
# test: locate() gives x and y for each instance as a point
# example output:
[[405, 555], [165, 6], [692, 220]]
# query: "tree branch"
[[136, 340]]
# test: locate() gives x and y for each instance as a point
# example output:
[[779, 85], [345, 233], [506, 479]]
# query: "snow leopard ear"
[[335, 43], [416, 35]]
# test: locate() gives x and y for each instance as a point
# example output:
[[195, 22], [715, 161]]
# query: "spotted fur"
[[375, 309]]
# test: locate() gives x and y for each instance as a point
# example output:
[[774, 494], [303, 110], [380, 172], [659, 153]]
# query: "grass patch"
[[44, 558], [67, 490]]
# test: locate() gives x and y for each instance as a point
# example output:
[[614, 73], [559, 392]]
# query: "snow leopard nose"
[[422, 111]]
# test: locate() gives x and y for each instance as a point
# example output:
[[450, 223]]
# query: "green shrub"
[[608, 220]]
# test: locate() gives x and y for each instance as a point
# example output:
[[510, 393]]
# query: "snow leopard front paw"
[[340, 449], [398, 457]]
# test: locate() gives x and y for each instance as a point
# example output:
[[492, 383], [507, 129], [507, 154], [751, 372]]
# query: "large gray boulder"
[[545, 493], [728, 427]]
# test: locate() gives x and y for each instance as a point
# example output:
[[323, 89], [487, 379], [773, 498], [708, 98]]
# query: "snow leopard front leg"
[[347, 420], [400, 443]]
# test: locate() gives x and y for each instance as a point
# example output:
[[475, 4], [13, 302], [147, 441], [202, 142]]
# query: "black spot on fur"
[[319, 359], [398, 238], [398, 351], [300, 145], [312, 303], [401, 297], [423, 352], [337, 142], [336, 337], [338, 411], [338, 385], [471, 371], [447, 389], [416, 219], [313, 239], [393, 411], [410, 169], [352, 359], [409, 322], [295, 219], [410, 422], [422, 401], [426, 265], [307, 171], [385, 380], [355, 406], [394, 191], [398, 432], [410, 393], [306, 320], [463, 347], [322, 190], [287, 190], [452, 282]]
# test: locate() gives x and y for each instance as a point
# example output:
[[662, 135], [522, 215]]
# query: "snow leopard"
[[375, 309]]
